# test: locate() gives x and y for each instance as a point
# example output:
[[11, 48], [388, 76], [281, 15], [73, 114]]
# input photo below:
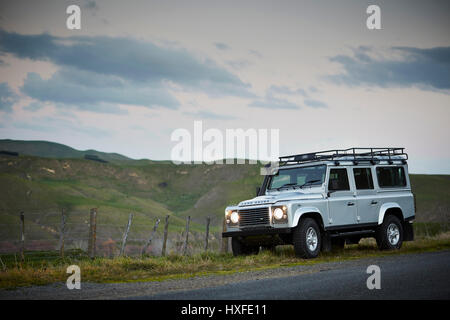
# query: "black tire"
[[240, 248], [299, 236], [384, 241]]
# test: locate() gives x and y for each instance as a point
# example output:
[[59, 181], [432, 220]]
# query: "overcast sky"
[[138, 70]]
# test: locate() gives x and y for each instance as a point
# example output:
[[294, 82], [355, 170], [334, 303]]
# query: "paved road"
[[421, 276], [410, 276]]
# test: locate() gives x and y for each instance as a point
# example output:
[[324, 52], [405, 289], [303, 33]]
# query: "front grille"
[[254, 217]]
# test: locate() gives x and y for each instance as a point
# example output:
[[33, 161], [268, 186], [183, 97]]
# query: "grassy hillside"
[[149, 189], [48, 149], [432, 197], [41, 187], [139, 186]]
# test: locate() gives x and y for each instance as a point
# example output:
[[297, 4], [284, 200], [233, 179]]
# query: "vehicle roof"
[[347, 162], [355, 154]]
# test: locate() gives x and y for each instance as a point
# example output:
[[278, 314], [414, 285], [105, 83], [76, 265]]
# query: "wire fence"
[[100, 234]]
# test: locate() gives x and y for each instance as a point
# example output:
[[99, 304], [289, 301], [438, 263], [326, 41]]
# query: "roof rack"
[[372, 155]]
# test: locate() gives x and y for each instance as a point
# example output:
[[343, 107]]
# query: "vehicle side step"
[[351, 233]]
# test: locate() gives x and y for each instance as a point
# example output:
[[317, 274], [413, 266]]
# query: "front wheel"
[[307, 239], [390, 234]]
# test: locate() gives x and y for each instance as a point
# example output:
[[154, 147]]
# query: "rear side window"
[[389, 177], [363, 178], [338, 180]]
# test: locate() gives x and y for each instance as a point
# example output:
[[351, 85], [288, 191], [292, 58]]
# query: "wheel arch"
[[308, 212], [390, 208]]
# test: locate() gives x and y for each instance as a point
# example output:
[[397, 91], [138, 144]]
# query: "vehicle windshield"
[[298, 177]]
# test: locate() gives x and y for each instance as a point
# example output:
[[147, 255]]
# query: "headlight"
[[279, 214], [227, 216], [234, 217], [231, 217]]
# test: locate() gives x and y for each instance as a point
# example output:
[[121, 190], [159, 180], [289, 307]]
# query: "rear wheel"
[[240, 248], [390, 234], [307, 239]]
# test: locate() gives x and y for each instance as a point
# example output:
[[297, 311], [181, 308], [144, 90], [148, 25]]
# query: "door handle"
[[374, 202], [350, 203]]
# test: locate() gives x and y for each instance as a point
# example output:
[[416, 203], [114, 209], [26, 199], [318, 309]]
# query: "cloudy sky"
[[138, 70]]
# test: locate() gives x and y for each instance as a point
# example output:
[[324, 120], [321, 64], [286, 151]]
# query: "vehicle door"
[[341, 199], [367, 201]]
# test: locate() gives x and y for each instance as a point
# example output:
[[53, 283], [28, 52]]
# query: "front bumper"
[[255, 232]]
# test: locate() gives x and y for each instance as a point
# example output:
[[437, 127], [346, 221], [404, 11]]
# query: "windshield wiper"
[[296, 185], [287, 185], [309, 182]]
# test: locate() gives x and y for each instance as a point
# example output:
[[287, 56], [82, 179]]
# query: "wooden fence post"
[[125, 235], [208, 219], [3, 265], [224, 247], [22, 246], [188, 219], [166, 229], [61, 233], [149, 241], [92, 232]]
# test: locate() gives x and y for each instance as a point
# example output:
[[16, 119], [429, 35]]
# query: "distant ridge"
[[47, 149]]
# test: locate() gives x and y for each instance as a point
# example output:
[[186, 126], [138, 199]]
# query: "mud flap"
[[326, 242], [408, 231]]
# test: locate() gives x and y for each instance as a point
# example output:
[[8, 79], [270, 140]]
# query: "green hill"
[[48, 149], [432, 197], [142, 186], [41, 187]]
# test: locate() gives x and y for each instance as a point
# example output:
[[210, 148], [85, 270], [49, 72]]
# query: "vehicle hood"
[[314, 193]]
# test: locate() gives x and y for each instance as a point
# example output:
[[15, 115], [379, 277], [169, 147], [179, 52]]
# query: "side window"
[[363, 178], [389, 177], [338, 180]]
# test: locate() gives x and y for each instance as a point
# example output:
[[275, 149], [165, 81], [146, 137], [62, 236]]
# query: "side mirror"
[[258, 189]]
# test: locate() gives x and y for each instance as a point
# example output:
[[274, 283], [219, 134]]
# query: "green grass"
[[430, 229], [432, 196], [40, 268]]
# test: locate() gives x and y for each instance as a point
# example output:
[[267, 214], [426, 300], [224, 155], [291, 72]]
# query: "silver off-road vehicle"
[[322, 200]]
